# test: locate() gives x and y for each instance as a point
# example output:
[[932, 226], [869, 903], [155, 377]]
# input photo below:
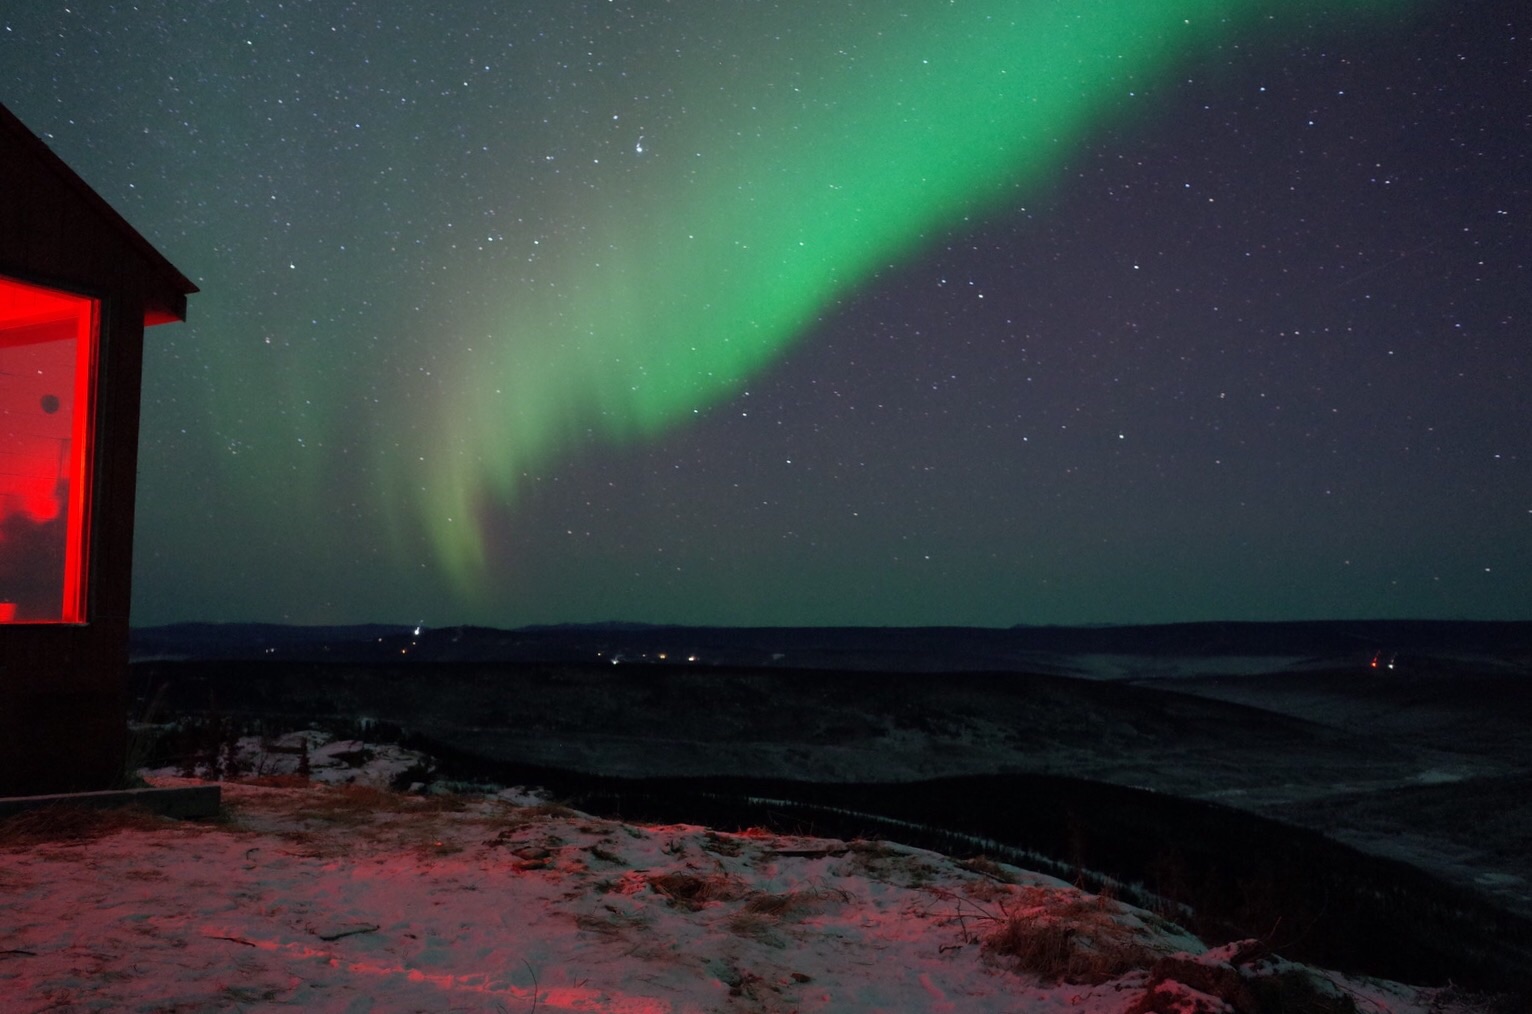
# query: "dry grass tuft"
[[763, 914], [1057, 951], [350, 805], [1243, 988], [74, 825], [692, 892], [716, 843], [1074, 938], [778, 906], [794, 904], [755, 927], [517, 818], [987, 867], [882, 862], [547, 810], [873, 849], [613, 923], [279, 781], [363, 813]]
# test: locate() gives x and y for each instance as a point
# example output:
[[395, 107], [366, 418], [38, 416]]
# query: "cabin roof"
[[19, 143]]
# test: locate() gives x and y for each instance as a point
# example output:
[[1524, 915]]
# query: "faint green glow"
[[664, 266]]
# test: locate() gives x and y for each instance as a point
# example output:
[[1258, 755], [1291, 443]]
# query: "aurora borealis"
[[756, 313]]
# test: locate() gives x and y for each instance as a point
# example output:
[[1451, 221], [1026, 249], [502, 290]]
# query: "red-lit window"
[[47, 366]]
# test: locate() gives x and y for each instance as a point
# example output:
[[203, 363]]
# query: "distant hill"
[[253, 640], [894, 649]]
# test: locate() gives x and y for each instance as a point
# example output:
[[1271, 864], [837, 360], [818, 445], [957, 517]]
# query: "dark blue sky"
[[1246, 337]]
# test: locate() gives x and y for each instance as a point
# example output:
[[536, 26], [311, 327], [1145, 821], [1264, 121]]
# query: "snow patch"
[[341, 896]]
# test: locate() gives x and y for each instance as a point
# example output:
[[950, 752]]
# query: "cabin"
[[78, 286]]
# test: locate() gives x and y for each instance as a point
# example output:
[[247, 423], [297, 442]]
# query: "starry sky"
[[775, 313]]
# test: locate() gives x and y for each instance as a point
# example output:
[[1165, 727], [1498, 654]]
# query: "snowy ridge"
[[347, 897]]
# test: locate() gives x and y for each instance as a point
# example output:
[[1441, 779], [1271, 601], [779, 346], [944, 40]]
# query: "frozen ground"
[[1428, 762], [1460, 803], [347, 898]]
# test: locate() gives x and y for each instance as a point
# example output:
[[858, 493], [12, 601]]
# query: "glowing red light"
[[47, 373]]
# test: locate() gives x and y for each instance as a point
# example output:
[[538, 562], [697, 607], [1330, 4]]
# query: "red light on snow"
[[47, 376]]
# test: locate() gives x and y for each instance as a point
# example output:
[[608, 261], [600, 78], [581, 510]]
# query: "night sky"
[[829, 312]]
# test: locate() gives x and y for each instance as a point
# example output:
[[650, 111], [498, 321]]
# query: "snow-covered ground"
[[332, 894]]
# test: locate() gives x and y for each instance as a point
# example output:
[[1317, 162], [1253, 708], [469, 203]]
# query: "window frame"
[[87, 313]]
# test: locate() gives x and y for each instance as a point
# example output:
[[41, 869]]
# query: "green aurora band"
[[677, 262]]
